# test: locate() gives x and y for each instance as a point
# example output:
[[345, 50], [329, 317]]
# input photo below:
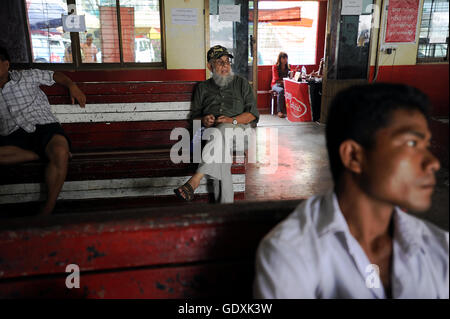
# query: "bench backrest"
[[123, 115], [199, 251]]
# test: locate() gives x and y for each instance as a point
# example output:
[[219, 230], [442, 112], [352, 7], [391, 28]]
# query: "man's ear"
[[352, 155], [209, 66]]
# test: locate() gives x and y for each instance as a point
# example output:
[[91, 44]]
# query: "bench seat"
[[109, 175]]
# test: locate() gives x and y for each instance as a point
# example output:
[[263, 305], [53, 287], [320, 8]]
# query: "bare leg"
[[14, 155], [194, 181], [57, 151]]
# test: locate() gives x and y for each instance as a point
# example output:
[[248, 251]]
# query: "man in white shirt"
[[28, 129], [357, 241]]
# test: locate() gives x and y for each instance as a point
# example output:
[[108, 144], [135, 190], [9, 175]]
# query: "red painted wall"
[[432, 79], [137, 75]]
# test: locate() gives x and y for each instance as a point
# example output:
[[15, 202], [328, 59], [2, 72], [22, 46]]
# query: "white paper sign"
[[73, 23], [351, 7], [186, 16], [230, 12], [439, 22]]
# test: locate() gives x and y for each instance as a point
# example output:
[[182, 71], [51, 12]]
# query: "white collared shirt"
[[312, 254], [22, 102]]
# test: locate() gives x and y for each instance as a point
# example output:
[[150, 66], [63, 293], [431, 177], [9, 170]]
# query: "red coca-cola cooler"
[[297, 98]]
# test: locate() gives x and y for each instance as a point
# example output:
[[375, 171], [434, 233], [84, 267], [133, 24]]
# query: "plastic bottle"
[[303, 72]]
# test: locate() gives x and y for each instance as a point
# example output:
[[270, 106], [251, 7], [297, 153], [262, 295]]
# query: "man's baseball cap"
[[218, 51]]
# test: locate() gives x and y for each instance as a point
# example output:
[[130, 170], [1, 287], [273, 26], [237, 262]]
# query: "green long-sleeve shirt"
[[234, 99]]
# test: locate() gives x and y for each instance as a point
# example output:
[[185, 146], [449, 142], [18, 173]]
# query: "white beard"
[[223, 80]]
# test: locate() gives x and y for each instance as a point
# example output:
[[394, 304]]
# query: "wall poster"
[[401, 23]]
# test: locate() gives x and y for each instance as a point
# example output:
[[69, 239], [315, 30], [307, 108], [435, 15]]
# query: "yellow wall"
[[185, 44], [405, 53]]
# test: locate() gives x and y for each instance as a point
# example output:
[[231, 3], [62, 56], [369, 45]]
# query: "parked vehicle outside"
[[51, 49], [48, 49]]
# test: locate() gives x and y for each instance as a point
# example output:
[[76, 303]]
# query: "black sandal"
[[187, 190]]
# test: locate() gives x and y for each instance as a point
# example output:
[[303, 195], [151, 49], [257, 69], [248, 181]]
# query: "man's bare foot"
[[280, 115]]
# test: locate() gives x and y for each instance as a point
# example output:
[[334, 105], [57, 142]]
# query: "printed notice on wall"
[[186, 16], [402, 21], [351, 7], [230, 12]]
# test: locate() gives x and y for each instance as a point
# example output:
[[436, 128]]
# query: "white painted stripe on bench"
[[122, 117], [121, 107], [156, 186], [119, 112]]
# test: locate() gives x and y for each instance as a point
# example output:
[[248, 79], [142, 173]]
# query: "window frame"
[[77, 64], [443, 59]]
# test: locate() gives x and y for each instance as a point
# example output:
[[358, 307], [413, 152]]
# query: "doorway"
[[255, 46], [294, 27], [230, 24]]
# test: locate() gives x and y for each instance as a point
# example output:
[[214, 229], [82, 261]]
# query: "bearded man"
[[223, 101]]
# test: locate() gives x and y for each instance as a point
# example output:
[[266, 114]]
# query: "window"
[[280, 29], [433, 39], [128, 34]]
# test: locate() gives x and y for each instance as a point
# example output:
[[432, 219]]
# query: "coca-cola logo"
[[298, 108]]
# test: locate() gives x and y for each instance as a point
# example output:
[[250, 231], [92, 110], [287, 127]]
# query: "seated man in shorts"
[[28, 129]]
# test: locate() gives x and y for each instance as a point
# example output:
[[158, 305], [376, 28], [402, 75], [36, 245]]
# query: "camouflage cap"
[[218, 51]]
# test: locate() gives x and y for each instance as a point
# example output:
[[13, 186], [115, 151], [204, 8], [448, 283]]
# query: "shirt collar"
[[407, 229], [14, 76], [331, 218]]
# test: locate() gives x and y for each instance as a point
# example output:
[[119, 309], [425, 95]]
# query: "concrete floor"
[[303, 168]]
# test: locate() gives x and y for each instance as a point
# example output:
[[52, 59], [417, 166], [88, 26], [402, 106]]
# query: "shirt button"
[[220, 110]]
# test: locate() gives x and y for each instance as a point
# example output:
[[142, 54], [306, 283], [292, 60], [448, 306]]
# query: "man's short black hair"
[[358, 112], [4, 56]]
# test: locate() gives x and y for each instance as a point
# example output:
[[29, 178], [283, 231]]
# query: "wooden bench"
[[204, 251], [121, 146]]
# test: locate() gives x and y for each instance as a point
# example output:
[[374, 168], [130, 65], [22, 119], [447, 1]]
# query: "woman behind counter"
[[279, 71]]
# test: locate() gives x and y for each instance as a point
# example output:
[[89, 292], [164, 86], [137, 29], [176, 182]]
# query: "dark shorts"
[[36, 141]]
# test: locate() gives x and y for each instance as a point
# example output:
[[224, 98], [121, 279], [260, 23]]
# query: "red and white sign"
[[298, 106], [402, 21]]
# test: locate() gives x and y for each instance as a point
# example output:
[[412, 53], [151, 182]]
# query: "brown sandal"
[[187, 190]]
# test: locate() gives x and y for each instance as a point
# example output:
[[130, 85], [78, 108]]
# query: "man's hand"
[[224, 119], [76, 93], [208, 120]]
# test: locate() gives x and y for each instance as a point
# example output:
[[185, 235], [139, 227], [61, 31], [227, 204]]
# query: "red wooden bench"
[[121, 146], [203, 251]]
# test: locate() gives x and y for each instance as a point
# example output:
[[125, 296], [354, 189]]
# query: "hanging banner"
[[401, 23]]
